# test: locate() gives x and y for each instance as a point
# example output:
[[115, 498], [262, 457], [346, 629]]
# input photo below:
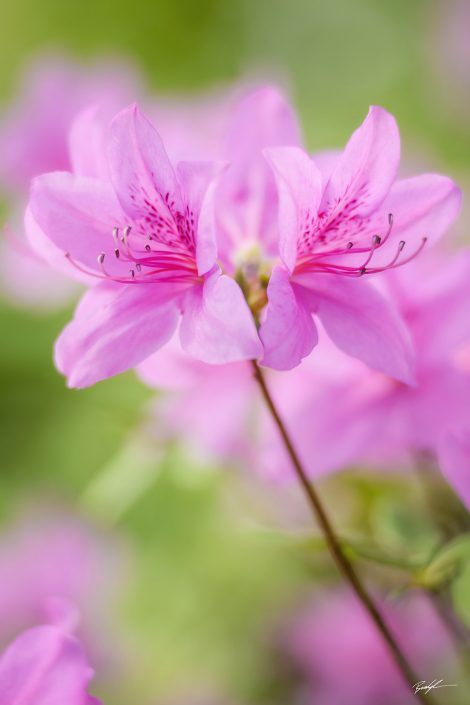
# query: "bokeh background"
[[201, 576]]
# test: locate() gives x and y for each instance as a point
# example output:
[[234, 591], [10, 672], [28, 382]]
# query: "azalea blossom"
[[188, 233], [342, 217], [454, 461], [45, 665], [342, 660], [148, 236]]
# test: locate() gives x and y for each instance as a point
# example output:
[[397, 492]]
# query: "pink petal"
[[435, 290], [454, 459], [361, 322], [262, 118], [422, 206], [115, 327], [198, 181], [326, 162], [27, 279], [247, 194], [288, 332], [217, 325], [87, 144], [48, 255], [45, 666], [138, 164], [172, 369], [367, 168], [78, 214], [299, 185]]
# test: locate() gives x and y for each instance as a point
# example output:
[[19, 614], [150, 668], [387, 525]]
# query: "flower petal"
[[361, 322], [247, 193], [45, 666], [217, 325], [454, 459], [87, 144], [422, 206], [299, 185], [288, 332], [78, 214], [435, 291], [367, 168], [198, 181], [139, 167], [115, 327]]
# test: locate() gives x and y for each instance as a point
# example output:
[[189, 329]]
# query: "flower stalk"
[[337, 552]]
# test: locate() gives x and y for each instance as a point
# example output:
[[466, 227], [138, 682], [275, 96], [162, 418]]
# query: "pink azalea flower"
[[340, 218], [343, 661], [34, 138], [46, 561], [382, 421], [149, 236], [45, 666], [454, 460]]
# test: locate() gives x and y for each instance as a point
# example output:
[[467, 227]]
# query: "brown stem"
[[336, 550]]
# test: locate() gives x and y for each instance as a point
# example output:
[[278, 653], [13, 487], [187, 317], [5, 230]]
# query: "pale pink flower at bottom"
[[46, 561], [45, 666], [343, 661]]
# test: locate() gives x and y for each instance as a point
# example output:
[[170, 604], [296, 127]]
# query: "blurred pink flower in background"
[[34, 130], [47, 560], [454, 460], [342, 660], [45, 666], [34, 138]]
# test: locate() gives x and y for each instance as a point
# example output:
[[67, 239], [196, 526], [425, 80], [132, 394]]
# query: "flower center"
[[252, 274]]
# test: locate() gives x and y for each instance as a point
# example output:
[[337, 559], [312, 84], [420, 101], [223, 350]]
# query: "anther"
[[148, 248], [349, 245], [137, 266], [132, 273], [115, 235], [101, 257], [116, 253]]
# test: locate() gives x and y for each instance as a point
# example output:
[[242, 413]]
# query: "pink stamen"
[[153, 263], [315, 262]]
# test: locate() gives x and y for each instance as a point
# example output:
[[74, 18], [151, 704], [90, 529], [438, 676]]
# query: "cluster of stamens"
[[151, 261], [321, 262]]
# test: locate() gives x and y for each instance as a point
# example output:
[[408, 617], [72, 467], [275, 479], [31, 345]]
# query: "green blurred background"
[[206, 585]]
